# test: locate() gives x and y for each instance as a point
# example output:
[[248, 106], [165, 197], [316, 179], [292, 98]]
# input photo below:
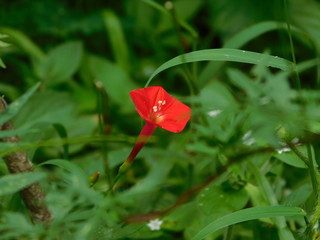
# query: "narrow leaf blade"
[[15, 107], [15, 182], [246, 215], [225, 54]]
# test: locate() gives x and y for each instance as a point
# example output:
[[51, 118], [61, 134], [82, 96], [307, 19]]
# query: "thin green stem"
[[318, 68], [298, 153], [101, 97], [283, 231], [228, 233], [190, 76], [313, 172], [311, 230], [297, 77]]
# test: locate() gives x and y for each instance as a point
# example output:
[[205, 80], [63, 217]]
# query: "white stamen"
[[155, 108], [158, 108]]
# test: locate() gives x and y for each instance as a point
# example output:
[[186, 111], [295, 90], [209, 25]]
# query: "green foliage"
[[60, 63], [13, 183], [248, 214], [245, 167]]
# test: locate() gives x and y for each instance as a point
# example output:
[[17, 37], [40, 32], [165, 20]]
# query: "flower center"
[[156, 115], [158, 107]]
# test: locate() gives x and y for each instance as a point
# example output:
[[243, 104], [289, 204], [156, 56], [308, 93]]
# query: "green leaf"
[[117, 39], [291, 158], [10, 133], [215, 199], [255, 31], [246, 215], [298, 196], [23, 42], [242, 38], [15, 107], [69, 166], [224, 54], [15, 182], [62, 131], [242, 81], [2, 64], [60, 64], [116, 82]]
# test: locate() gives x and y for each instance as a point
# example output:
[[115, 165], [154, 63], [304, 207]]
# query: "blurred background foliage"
[[88, 56]]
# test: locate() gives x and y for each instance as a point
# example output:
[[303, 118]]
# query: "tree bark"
[[18, 162]]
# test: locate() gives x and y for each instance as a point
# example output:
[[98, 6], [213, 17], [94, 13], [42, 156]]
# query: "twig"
[[18, 162], [191, 192]]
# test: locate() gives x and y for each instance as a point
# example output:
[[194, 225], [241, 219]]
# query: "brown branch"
[[191, 192], [18, 162]]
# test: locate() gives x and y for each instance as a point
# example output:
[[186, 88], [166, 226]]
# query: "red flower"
[[156, 106], [159, 109]]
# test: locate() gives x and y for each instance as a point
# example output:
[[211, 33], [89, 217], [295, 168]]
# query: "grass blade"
[[225, 54], [14, 107], [246, 215]]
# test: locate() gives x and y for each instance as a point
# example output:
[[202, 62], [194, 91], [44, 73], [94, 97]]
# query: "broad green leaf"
[[287, 156], [60, 64], [20, 40], [51, 107], [117, 39], [216, 96], [116, 82], [15, 182], [224, 54], [215, 199], [246, 215], [15, 107]]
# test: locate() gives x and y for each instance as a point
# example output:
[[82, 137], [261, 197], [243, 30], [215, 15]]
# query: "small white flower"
[[214, 113], [154, 224]]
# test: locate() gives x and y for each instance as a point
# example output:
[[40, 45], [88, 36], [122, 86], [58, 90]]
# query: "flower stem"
[[143, 138], [284, 232], [311, 230]]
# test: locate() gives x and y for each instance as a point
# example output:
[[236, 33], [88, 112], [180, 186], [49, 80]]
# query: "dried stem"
[[191, 192], [18, 162]]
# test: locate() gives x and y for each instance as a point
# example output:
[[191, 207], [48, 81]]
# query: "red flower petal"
[[155, 105]]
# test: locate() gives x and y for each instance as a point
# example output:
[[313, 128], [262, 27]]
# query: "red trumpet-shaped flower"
[[158, 109]]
